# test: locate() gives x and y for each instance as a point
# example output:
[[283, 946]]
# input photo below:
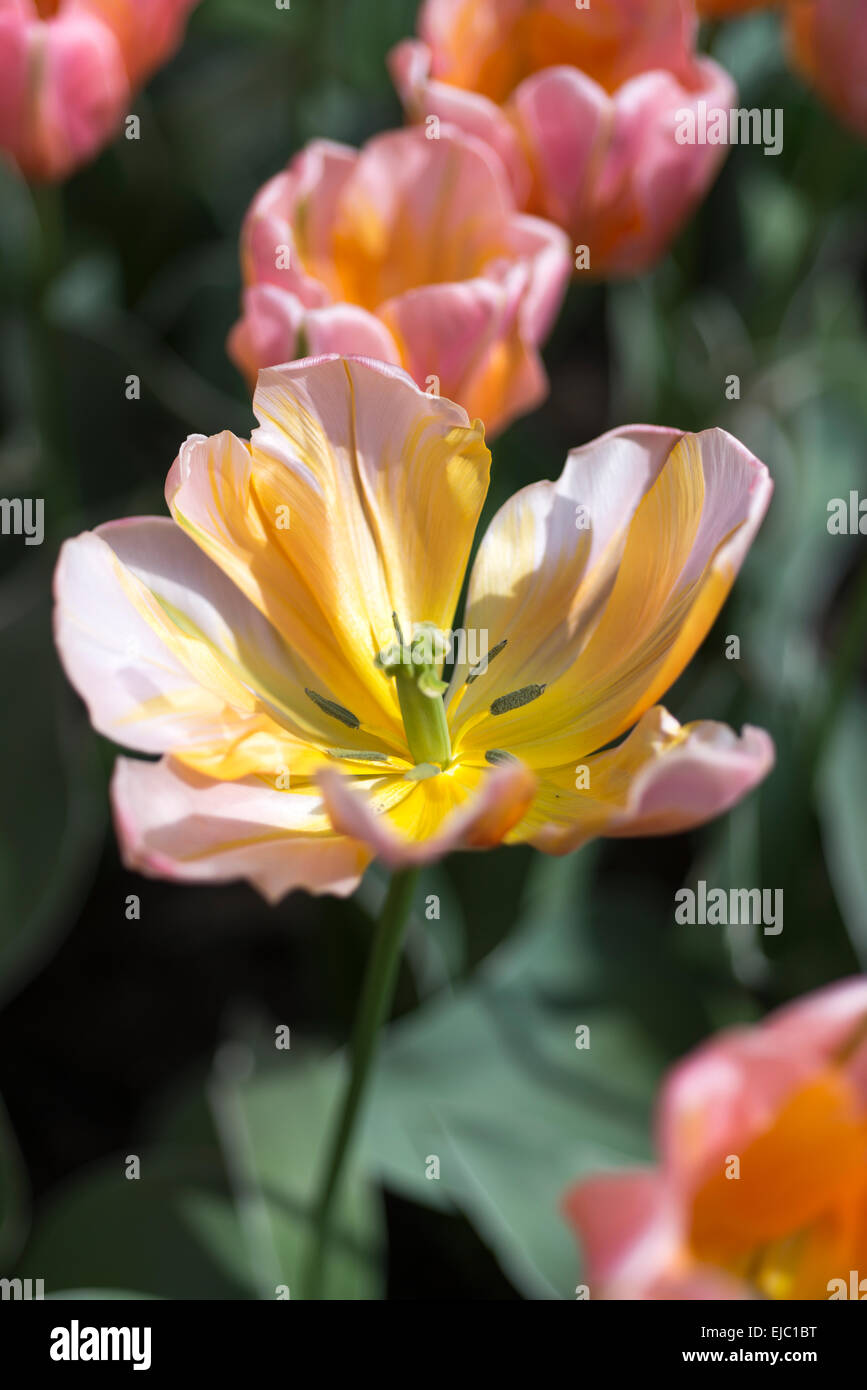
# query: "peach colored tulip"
[[582, 107], [410, 251], [68, 69], [828, 43], [782, 1104], [275, 641]]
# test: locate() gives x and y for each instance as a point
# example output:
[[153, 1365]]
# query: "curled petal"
[[610, 168], [422, 96], [436, 816], [664, 778], [275, 327], [173, 823]]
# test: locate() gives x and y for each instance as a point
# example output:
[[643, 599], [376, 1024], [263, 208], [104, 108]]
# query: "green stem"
[[376, 996]]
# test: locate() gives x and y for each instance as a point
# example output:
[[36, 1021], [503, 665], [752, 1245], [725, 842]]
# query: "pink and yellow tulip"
[[273, 640], [411, 251], [761, 1188], [68, 70], [582, 107]]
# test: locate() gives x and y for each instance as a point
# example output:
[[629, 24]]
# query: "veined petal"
[[173, 823], [548, 561], [662, 779], [416, 212], [165, 651], [428, 819], [685, 543]]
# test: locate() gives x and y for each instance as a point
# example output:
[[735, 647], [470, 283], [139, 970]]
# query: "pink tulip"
[[581, 105], [761, 1188], [828, 42], [410, 251], [68, 69]]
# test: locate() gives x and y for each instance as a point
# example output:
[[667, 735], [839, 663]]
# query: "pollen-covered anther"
[[516, 698]]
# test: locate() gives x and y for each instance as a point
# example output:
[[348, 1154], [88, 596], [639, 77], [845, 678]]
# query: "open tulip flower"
[[762, 1185], [279, 641], [411, 251], [581, 104], [68, 70]]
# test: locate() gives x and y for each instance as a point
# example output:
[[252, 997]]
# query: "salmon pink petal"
[[663, 779], [610, 168], [422, 96], [630, 1231], [173, 823], [63, 91], [275, 327], [727, 1091]]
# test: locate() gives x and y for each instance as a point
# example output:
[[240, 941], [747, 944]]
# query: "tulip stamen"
[[516, 698], [335, 710], [495, 756], [473, 675], [415, 668]]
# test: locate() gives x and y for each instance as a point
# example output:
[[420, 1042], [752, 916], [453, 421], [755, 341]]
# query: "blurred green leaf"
[[52, 795], [843, 815], [490, 1081], [221, 1209]]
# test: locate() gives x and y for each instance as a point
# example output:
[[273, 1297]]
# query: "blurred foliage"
[[152, 1037]]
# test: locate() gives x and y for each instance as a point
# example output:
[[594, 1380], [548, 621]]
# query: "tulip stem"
[[376, 997]]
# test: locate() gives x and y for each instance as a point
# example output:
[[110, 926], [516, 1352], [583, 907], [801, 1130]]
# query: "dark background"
[[109, 1027]]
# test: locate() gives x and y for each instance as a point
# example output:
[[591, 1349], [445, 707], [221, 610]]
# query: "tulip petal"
[[380, 487], [169, 655], [275, 327], [466, 338], [722, 1095], [173, 823], [664, 778], [410, 66], [625, 641], [428, 819]]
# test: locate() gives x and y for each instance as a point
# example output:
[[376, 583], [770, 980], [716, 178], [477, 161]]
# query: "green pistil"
[[415, 667]]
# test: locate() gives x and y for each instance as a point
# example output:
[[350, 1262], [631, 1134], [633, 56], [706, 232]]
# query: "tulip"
[[277, 640], [581, 105], [828, 44], [68, 69], [410, 251], [761, 1187]]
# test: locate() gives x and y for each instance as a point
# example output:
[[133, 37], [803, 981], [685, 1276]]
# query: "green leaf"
[[52, 794], [221, 1207], [490, 1082]]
